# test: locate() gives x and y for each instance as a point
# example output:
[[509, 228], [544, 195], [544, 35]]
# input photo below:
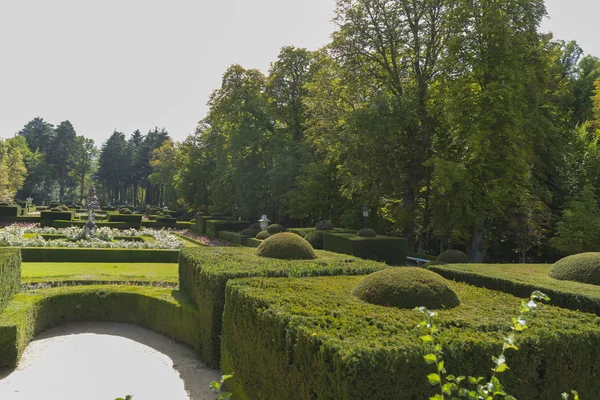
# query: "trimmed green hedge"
[[233, 237], [201, 223], [26, 218], [10, 274], [204, 272], [312, 339], [10, 211], [59, 254], [47, 218], [115, 225], [162, 310], [134, 220], [391, 250], [212, 226], [522, 279], [253, 242]]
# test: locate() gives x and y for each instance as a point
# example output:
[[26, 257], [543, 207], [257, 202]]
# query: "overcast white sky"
[[137, 64]]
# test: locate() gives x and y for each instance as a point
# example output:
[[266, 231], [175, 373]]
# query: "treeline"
[[459, 124]]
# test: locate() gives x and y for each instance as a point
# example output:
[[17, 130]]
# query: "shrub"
[[391, 250], [256, 226], [366, 232], [250, 232], [134, 220], [312, 339], [47, 218], [204, 272], [324, 225], [584, 268], [201, 223], [10, 275], [10, 211], [233, 237], [126, 212], [432, 263], [56, 209], [262, 235], [64, 208], [453, 257], [163, 310], [212, 227], [253, 242], [315, 239], [275, 228], [286, 246], [407, 287]]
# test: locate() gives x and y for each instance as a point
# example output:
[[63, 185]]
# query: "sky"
[[140, 64]]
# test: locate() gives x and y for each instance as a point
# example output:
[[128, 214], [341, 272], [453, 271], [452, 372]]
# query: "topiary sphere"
[[366, 232], [584, 268], [315, 239], [255, 225], [324, 225], [250, 232], [262, 235], [275, 228], [286, 246], [453, 257], [406, 287]]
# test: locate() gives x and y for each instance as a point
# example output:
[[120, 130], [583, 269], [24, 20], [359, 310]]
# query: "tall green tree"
[[60, 154], [84, 159]]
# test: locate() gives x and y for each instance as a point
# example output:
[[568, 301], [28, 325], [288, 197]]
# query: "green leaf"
[[434, 379], [427, 339], [440, 366], [430, 358], [501, 368]]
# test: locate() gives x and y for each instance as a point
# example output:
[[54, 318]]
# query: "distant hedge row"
[[161, 310], [204, 272], [312, 339]]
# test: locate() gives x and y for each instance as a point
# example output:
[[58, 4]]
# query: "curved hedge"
[[161, 310], [311, 339]]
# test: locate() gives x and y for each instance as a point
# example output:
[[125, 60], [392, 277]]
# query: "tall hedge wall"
[[10, 274], [10, 211], [48, 217], [60, 254], [161, 310], [204, 272], [312, 339], [201, 223], [391, 250]]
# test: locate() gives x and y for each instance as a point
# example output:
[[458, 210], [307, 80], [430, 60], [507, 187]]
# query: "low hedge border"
[[60, 254], [115, 225], [10, 274], [214, 226], [312, 339], [161, 310], [233, 237], [391, 250], [522, 279], [204, 272]]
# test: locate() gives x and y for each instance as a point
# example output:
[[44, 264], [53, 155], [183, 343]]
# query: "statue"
[[264, 222], [92, 204]]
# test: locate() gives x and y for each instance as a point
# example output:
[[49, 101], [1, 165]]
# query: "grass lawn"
[[45, 272]]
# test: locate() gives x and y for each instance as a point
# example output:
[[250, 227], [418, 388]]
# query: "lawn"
[[46, 272]]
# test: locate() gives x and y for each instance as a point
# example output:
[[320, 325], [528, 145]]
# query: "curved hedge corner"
[[312, 339], [10, 274], [204, 272], [584, 268], [161, 310]]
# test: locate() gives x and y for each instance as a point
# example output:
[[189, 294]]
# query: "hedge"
[[213, 226], [10, 274], [201, 223], [253, 242], [47, 218], [60, 254], [522, 279], [204, 272], [134, 220], [312, 339], [162, 310], [233, 237], [10, 211], [391, 250], [115, 225], [25, 218]]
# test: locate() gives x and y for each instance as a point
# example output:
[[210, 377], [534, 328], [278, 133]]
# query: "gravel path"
[[99, 360]]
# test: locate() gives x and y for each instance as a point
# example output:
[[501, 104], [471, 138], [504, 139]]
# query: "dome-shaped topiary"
[[126, 212], [250, 232], [56, 209], [584, 268], [407, 287], [255, 225], [324, 225], [366, 232], [453, 257], [315, 239], [286, 246], [262, 235], [275, 228]]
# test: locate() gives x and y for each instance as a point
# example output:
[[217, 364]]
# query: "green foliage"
[[315, 238], [126, 212], [10, 275], [275, 228], [389, 249], [205, 271], [311, 338], [10, 211], [406, 287], [56, 254], [324, 225], [286, 246], [584, 268], [163, 310], [251, 232], [366, 232], [434, 262], [201, 223], [262, 235], [578, 231], [133, 220], [219, 388], [233, 237], [213, 227], [47, 218], [453, 257]]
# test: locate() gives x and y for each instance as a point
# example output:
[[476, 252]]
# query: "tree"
[[12, 170], [114, 167], [163, 163], [84, 159], [578, 231], [60, 154]]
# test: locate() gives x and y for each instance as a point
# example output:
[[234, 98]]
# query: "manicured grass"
[[46, 272]]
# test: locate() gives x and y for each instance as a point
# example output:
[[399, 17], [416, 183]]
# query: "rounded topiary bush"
[[324, 225], [126, 212], [453, 257], [584, 268], [275, 228], [250, 232], [366, 232], [286, 246], [262, 235], [255, 225], [407, 287], [315, 239]]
